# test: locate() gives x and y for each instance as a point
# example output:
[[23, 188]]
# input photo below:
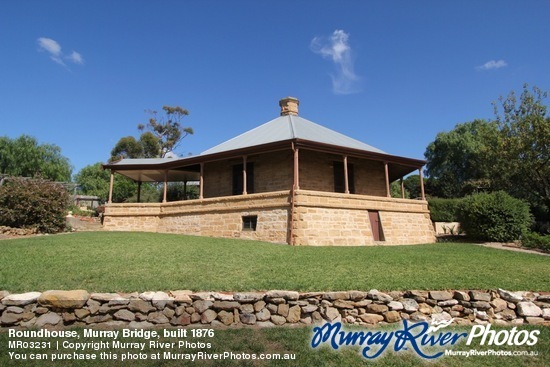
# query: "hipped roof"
[[282, 132], [290, 127]]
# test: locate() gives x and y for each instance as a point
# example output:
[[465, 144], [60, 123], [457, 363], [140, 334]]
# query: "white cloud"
[[50, 45], [53, 48], [492, 64], [337, 49], [76, 58]]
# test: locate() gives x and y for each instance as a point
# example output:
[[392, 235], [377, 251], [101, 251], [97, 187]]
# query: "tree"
[[395, 190], [127, 147], [412, 186], [511, 153], [521, 158], [456, 160], [161, 135], [168, 129], [24, 157], [94, 180]]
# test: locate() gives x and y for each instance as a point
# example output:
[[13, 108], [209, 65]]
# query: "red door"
[[375, 225]]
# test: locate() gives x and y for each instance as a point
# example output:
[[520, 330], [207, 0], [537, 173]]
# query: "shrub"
[[75, 210], [178, 191], [33, 203], [494, 217], [535, 240], [444, 210]]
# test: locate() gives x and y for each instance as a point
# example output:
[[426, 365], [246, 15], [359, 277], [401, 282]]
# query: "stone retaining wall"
[[272, 308]]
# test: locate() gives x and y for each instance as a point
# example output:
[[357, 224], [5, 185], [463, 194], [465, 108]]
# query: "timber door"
[[376, 226]]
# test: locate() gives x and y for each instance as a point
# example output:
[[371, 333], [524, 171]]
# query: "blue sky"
[[80, 74]]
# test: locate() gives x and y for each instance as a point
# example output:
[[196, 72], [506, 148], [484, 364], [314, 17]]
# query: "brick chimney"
[[289, 106]]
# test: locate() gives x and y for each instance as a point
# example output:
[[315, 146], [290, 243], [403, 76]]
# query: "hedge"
[[494, 217], [444, 210]]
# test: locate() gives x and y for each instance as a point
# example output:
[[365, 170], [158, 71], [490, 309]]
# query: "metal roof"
[[290, 127], [273, 134], [141, 161]]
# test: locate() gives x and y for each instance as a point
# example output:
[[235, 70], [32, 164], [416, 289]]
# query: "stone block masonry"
[[315, 219], [333, 219], [213, 217], [182, 308]]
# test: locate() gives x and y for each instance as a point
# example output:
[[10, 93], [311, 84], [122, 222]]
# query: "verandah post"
[[387, 174], [165, 186], [111, 187], [346, 175], [422, 183], [201, 182]]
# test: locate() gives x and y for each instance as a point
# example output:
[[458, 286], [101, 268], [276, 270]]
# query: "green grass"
[[126, 262], [106, 262], [285, 340]]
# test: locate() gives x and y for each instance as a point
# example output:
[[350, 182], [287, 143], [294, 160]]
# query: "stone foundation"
[[272, 308], [333, 219], [213, 217], [316, 218]]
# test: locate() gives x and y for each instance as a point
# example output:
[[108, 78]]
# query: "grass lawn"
[[129, 261], [114, 261]]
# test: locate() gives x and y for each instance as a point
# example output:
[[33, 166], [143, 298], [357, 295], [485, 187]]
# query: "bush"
[[177, 191], [75, 210], [33, 203], [535, 240], [494, 217], [444, 210]]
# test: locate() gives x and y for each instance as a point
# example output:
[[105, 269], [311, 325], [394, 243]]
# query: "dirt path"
[[512, 247]]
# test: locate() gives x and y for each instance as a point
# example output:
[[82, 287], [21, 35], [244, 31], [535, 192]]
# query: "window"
[[238, 179], [250, 222], [340, 177]]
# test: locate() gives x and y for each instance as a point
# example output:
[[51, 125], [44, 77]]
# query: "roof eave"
[[336, 149], [264, 148], [203, 158]]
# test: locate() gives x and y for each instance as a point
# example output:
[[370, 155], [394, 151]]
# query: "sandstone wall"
[[320, 218], [338, 219], [272, 172], [317, 173], [214, 217], [266, 309], [132, 217]]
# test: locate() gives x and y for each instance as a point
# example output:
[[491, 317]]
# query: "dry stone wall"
[[267, 309]]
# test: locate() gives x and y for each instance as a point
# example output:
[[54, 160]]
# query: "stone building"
[[287, 181]]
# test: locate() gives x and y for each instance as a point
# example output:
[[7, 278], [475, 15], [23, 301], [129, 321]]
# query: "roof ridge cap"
[[292, 130]]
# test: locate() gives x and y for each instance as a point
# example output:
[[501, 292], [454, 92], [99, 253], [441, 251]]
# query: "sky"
[[393, 74]]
